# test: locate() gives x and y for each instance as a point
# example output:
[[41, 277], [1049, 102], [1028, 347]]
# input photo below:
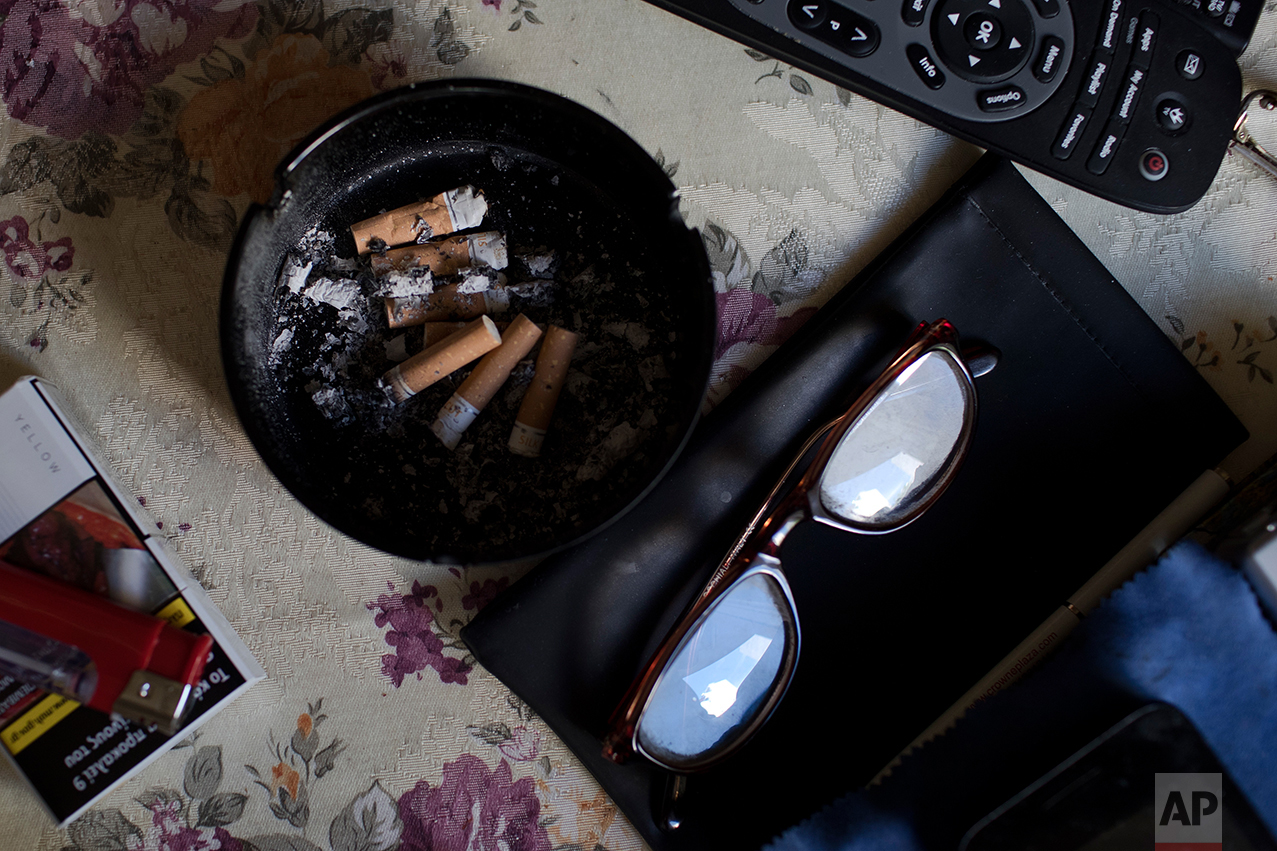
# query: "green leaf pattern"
[[1252, 348]]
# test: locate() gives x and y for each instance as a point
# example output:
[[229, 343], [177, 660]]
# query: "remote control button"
[[1172, 115], [1153, 164], [1071, 132], [1097, 71], [1105, 148], [983, 41], [1109, 29], [851, 33], [1001, 100], [914, 12], [1047, 8], [983, 32], [1189, 65], [1215, 8], [1124, 110], [1049, 60], [1145, 38], [925, 67], [808, 14]]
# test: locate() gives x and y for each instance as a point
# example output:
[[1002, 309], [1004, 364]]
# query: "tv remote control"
[[1132, 100]]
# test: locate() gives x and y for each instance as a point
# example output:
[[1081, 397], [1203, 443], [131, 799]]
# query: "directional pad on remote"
[[983, 40]]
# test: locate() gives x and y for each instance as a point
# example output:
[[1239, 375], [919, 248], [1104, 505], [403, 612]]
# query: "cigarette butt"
[[447, 256], [481, 385], [445, 304], [443, 358], [448, 303], [436, 331], [406, 312], [543, 394], [457, 209]]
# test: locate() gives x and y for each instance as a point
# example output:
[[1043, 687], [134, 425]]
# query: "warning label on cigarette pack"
[[176, 613], [36, 721]]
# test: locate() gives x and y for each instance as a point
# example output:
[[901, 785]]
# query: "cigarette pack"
[[62, 515]]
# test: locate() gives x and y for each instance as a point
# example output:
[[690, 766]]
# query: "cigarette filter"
[[482, 384], [444, 304], [455, 210], [142, 668], [447, 256], [417, 373], [538, 403], [436, 331]]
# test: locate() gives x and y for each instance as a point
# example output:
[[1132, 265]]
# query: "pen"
[[138, 666], [1175, 521]]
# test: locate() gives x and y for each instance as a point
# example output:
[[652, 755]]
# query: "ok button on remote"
[[983, 32], [983, 41]]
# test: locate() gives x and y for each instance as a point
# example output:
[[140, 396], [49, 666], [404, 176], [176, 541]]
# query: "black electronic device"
[[1105, 796], [1132, 100]]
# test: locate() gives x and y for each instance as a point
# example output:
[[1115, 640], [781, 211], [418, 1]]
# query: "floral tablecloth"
[[138, 131]]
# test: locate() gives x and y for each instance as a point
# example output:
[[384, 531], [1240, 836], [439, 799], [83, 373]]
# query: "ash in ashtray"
[[523, 476]]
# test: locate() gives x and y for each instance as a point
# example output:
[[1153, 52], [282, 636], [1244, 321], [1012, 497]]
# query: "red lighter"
[[145, 668]]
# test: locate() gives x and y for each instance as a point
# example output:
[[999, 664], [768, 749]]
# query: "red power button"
[[1153, 164]]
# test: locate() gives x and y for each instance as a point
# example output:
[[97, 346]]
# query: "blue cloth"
[[1188, 632]]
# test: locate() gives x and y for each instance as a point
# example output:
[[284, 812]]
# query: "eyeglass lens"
[[892, 456], [721, 675]]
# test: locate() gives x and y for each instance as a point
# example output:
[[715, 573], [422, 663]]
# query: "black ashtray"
[[631, 279]]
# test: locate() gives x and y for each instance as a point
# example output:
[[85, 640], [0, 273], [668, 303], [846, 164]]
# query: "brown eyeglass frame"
[[756, 550]]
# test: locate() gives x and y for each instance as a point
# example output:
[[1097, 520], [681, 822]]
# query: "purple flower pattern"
[[108, 80], [37, 284], [482, 595], [414, 638], [31, 260], [749, 317], [473, 807], [749, 302], [74, 66], [169, 832]]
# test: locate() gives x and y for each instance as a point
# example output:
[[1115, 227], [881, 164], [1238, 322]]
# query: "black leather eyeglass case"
[[1091, 423]]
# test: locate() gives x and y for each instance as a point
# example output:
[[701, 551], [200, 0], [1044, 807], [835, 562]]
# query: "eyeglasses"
[[725, 666]]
